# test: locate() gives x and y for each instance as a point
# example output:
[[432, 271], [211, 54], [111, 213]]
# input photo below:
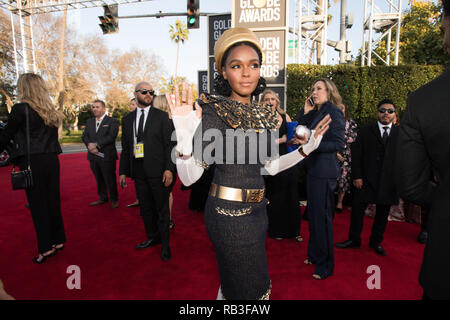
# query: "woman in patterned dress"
[[345, 159], [235, 212]]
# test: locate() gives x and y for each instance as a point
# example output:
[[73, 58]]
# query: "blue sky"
[[153, 34]]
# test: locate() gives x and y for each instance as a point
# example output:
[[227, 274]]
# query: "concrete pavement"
[[80, 147]]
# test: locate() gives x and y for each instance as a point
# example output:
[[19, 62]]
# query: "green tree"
[[178, 33], [420, 37], [7, 66]]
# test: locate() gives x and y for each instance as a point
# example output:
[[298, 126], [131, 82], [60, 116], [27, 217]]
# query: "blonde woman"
[[322, 171], [44, 195], [160, 102]]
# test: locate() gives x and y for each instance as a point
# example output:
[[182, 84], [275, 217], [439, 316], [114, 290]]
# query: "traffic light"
[[110, 19], [193, 14]]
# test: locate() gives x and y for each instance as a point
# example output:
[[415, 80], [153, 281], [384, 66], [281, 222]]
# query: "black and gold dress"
[[237, 229]]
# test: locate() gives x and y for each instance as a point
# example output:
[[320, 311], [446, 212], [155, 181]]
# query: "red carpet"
[[101, 241]]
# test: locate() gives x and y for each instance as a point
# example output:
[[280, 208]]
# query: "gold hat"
[[231, 37]]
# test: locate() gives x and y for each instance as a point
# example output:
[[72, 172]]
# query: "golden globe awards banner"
[[217, 24], [273, 44], [259, 14], [268, 19], [202, 81]]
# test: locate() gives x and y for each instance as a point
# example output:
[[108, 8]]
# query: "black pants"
[[320, 193], [105, 175], [357, 219], [424, 224], [44, 200], [153, 199]]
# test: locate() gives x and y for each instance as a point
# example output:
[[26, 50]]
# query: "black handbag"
[[23, 179]]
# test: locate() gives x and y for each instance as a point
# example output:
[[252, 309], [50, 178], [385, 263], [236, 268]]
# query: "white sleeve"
[[185, 127], [284, 162], [189, 171], [291, 159]]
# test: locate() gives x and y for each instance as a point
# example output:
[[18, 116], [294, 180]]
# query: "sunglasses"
[[383, 110], [144, 92]]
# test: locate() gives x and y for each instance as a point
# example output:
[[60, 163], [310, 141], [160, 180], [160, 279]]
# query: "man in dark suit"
[[99, 136], [373, 154], [424, 150], [146, 158]]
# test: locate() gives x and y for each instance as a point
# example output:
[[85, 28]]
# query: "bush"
[[85, 114], [120, 112], [361, 88]]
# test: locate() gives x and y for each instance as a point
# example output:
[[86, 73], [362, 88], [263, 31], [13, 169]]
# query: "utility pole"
[[343, 29]]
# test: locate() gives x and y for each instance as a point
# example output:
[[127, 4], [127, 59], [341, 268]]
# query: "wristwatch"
[[300, 150]]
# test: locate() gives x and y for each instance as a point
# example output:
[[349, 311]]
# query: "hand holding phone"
[[309, 105]]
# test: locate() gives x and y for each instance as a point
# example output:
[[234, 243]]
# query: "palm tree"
[[179, 33]]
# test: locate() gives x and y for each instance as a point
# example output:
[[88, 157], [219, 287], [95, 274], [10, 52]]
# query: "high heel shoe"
[[58, 249], [171, 224], [42, 257]]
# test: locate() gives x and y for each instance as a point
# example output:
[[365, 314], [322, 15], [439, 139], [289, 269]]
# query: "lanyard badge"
[[139, 150]]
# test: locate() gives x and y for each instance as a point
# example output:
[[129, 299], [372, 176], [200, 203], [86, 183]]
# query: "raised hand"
[[322, 126], [185, 120], [308, 106], [317, 134], [182, 107]]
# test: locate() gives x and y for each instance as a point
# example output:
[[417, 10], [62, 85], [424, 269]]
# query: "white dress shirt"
[[136, 122], [98, 122], [381, 126]]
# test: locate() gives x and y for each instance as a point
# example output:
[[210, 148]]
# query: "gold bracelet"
[[300, 150]]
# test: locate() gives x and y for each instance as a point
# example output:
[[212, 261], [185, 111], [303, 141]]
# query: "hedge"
[[361, 88]]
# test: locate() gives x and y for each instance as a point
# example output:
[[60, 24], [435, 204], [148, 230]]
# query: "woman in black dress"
[[235, 212], [44, 195], [283, 208]]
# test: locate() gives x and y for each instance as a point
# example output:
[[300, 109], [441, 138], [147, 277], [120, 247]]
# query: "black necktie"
[[140, 133], [385, 135]]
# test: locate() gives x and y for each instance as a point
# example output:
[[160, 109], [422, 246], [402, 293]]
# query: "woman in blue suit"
[[322, 169]]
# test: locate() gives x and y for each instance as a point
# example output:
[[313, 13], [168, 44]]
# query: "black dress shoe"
[[165, 254], [348, 244], [148, 243], [135, 204], [378, 249], [423, 237], [96, 203]]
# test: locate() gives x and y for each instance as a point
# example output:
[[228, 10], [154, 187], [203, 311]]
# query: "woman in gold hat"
[[235, 212]]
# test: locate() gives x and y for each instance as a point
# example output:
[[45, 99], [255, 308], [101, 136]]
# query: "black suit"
[[373, 162], [44, 195], [423, 150], [104, 168], [147, 172], [322, 170]]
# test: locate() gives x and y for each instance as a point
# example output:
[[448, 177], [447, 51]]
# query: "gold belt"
[[235, 194]]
